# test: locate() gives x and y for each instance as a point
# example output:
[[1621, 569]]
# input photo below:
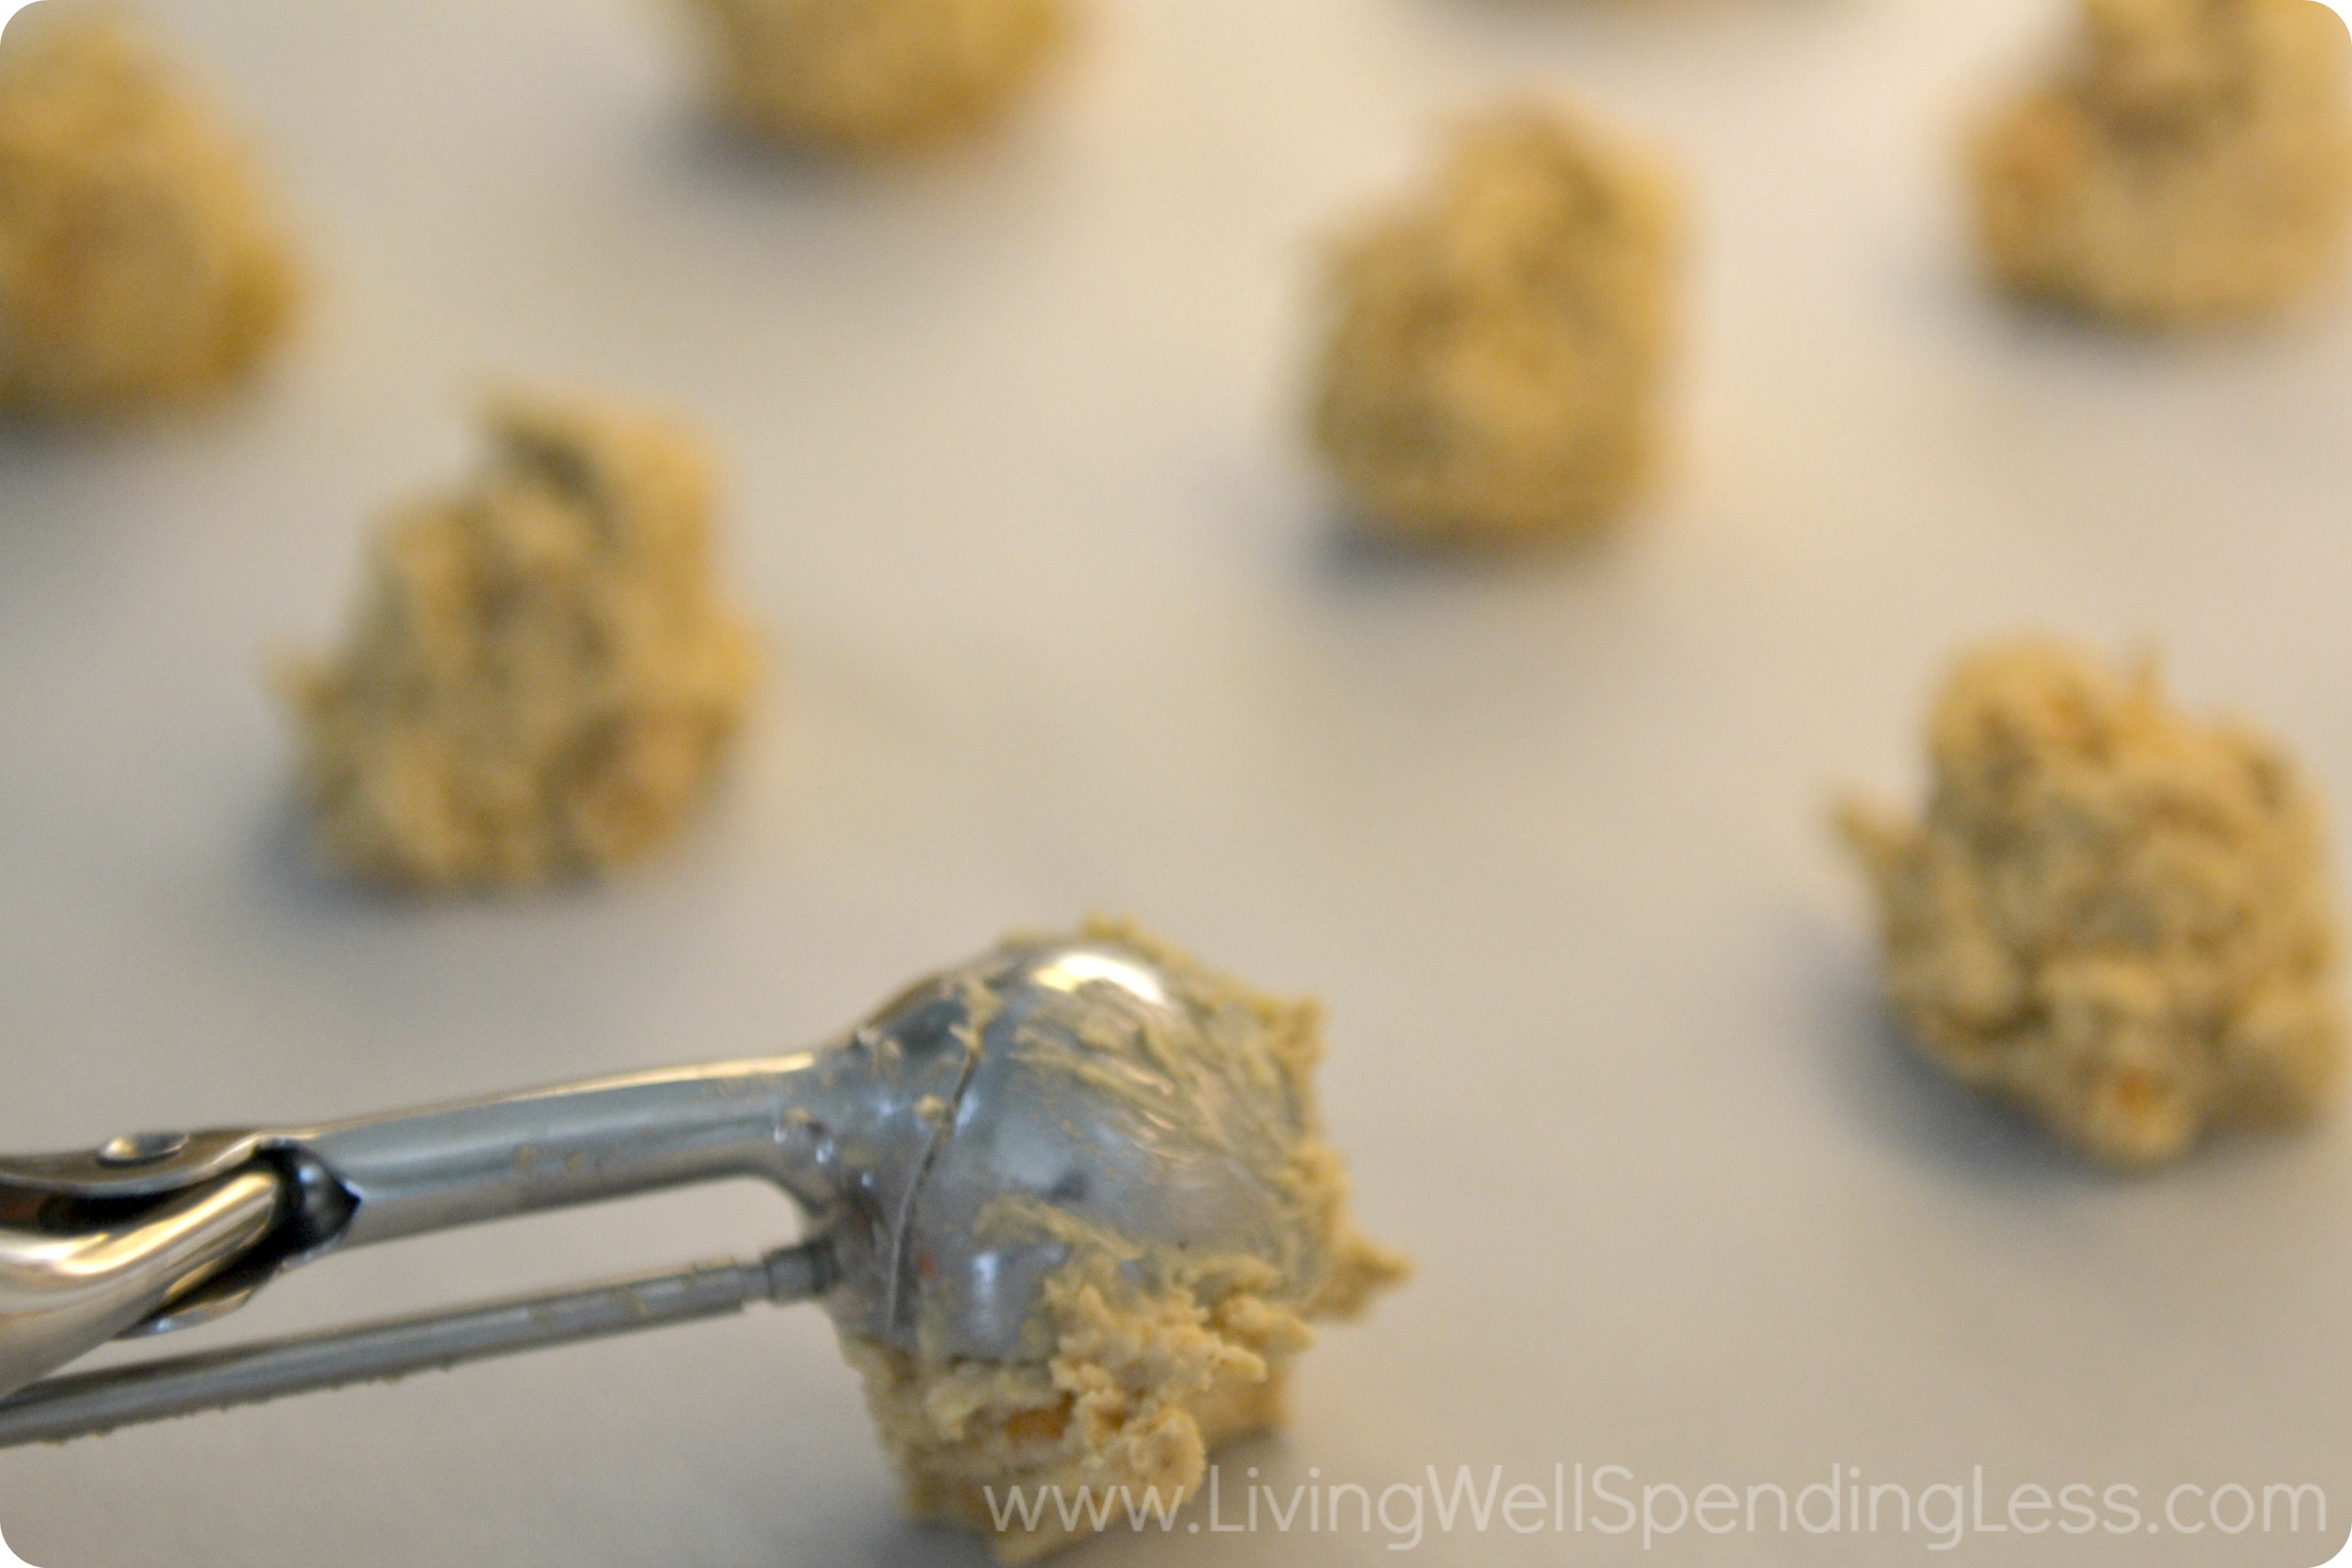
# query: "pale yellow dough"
[[2191, 162], [2115, 915], [1155, 1359], [543, 674], [140, 260], [1496, 349], [875, 74]]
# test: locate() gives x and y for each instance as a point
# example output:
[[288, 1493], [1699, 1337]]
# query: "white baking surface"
[[1063, 620]]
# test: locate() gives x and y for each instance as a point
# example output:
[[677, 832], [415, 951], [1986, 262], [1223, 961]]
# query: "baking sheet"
[[1063, 620]]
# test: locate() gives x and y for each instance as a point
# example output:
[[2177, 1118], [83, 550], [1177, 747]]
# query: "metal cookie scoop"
[[995, 1081]]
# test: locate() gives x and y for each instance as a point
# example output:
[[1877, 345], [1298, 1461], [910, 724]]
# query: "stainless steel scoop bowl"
[[942, 1151]]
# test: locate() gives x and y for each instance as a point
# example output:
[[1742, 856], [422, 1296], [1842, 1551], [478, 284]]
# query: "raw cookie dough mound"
[[2113, 915], [2192, 162], [1148, 1359], [543, 674], [876, 73], [140, 260], [1496, 349]]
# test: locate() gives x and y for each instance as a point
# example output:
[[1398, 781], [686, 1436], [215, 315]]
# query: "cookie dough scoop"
[[1094, 1106]]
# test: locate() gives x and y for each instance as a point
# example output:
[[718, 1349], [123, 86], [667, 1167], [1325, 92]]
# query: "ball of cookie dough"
[[1150, 1358], [139, 258], [543, 675], [2192, 162], [871, 74], [2112, 914], [1496, 347]]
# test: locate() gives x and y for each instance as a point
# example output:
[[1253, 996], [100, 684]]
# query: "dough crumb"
[[140, 260], [876, 74], [1156, 1357], [1495, 348], [2113, 915], [543, 675], [2191, 162]]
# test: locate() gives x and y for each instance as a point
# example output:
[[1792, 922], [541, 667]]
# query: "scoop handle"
[[64, 1293], [414, 1172], [85, 1404]]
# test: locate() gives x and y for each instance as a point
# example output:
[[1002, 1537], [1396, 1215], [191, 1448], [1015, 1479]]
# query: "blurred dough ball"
[[2111, 913], [1496, 346], [140, 260], [543, 675], [2192, 160], [865, 74]]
